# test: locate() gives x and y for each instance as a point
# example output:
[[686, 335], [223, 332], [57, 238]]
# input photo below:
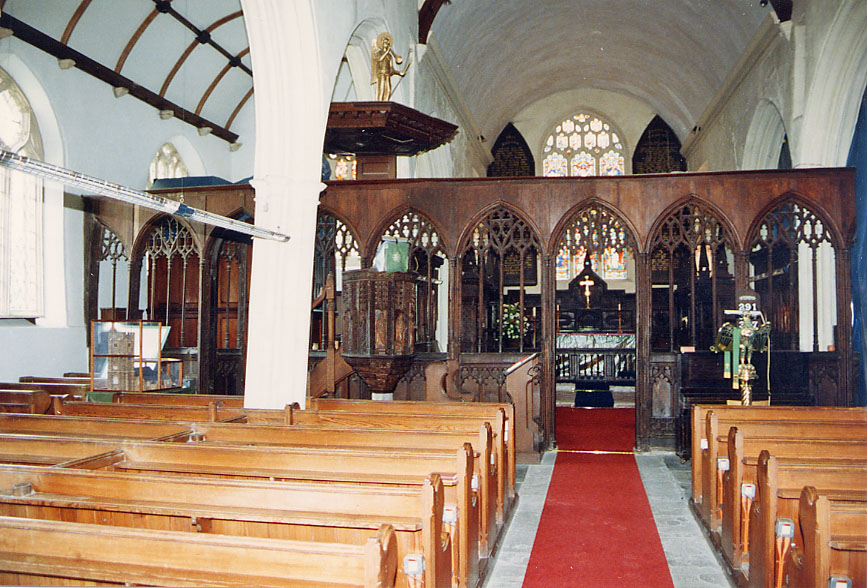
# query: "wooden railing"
[[609, 365]]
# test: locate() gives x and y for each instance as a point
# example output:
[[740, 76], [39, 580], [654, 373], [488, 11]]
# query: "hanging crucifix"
[[586, 282]]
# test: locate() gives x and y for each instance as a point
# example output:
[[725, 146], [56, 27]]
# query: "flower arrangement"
[[512, 322]]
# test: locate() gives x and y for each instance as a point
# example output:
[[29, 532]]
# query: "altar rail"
[[615, 366]]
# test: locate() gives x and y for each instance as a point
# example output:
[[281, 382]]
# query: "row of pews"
[[782, 493], [33, 394], [166, 489]]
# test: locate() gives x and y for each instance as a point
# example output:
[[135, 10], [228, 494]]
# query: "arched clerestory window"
[[167, 163], [583, 145]]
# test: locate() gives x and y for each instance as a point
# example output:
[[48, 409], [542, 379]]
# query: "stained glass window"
[[606, 239], [343, 166], [583, 165], [562, 266], [555, 166], [611, 164], [589, 144]]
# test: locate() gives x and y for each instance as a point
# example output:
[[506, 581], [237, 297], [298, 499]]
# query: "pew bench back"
[[36, 552]]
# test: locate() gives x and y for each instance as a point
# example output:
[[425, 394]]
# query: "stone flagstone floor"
[[691, 559]]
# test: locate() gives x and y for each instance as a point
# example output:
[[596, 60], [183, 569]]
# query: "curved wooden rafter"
[[238, 108], [134, 39], [73, 20], [217, 79], [233, 61]]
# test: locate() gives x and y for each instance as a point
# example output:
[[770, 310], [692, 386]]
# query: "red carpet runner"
[[596, 527]]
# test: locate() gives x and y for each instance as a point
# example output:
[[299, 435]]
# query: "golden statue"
[[382, 60]]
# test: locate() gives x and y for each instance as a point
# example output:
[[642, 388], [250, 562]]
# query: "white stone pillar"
[[279, 323], [291, 113]]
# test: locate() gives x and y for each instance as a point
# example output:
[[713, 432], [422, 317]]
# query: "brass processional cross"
[[586, 282]]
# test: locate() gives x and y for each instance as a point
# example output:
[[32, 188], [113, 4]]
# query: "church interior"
[[585, 244]]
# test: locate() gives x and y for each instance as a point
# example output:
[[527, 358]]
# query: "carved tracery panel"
[[426, 257], [174, 275], [335, 249], [112, 251], [335, 244], [792, 269], [692, 278], [498, 264]]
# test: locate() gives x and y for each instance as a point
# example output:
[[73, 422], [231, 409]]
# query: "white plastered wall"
[[86, 129]]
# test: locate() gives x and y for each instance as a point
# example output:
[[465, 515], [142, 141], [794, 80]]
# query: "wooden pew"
[[75, 390], [25, 401], [485, 409], [716, 446], [492, 486], [92, 427], [36, 552], [49, 380], [833, 540], [298, 436], [743, 459], [324, 512], [395, 467], [728, 416], [209, 413], [48, 451], [339, 418], [165, 399], [778, 487]]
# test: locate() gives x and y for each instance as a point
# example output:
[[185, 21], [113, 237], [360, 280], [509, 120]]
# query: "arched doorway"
[[595, 290]]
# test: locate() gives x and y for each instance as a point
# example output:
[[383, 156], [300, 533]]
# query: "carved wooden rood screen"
[[690, 241]]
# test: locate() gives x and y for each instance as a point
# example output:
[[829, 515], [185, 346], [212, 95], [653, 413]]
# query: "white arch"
[[835, 93], [764, 138]]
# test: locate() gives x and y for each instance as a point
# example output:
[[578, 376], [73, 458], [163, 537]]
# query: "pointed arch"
[[691, 247], [693, 205], [814, 212], [174, 255], [428, 258], [498, 260], [415, 226], [504, 214], [512, 156], [792, 256], [604, 217], [834, 96], [764, 137], [658, 150]]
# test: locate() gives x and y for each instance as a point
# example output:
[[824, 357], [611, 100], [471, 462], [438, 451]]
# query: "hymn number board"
[[512, 268]]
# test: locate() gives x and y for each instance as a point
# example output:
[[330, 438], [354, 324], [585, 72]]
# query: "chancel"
[[426, 293]]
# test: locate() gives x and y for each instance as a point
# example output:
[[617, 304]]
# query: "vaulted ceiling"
[[673, 55], [190, 58]]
